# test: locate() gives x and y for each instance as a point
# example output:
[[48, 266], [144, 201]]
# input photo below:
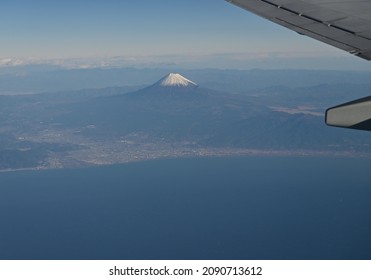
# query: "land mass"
[[173, 117]]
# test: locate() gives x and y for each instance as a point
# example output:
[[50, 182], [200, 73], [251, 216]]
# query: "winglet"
[[355, 114]]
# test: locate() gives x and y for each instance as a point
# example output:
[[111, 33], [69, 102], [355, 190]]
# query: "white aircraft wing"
[[345, 24]]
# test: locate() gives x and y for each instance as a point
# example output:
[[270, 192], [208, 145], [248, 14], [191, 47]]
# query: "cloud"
[[11, 61], [242, 60]]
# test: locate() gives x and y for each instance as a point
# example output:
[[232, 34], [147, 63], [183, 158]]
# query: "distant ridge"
[[175, 80]]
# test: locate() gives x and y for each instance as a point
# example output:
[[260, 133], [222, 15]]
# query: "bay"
[[195, 208]]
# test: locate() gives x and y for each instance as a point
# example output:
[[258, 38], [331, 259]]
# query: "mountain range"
[[177, 109], [172, 117]]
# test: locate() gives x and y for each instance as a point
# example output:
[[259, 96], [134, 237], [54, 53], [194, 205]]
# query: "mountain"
[[175, 80], [174, 85]]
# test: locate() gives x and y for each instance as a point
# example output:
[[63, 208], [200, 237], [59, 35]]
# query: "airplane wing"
[[343, 24]]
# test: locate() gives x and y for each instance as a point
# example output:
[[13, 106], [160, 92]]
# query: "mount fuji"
[[169, 89], [175, 80]]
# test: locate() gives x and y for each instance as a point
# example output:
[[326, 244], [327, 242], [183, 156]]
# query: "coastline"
[[73, 162]]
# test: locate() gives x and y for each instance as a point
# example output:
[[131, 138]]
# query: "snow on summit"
[[175, 80]]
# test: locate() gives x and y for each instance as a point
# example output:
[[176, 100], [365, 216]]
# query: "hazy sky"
[[194, 33]]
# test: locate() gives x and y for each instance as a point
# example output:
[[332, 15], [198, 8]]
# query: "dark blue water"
[[210, 208]]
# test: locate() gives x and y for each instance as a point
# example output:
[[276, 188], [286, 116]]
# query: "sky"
[[191, 33]]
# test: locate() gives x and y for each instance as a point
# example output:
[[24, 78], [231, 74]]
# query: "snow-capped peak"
[[175, 80]]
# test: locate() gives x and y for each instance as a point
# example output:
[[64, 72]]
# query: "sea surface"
[[195, 208]]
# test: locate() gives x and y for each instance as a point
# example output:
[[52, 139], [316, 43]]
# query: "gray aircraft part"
[[355, 114], [342, 24]]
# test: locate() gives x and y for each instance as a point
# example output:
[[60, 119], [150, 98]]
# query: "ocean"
[[195, 208]]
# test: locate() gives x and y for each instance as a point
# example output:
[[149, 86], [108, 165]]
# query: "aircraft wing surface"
[[344, 24]]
